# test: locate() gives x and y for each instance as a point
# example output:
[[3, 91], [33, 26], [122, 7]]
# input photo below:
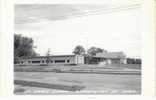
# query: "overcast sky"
[[61, 27]]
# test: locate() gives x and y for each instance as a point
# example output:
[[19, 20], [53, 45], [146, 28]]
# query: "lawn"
[[99, 83]]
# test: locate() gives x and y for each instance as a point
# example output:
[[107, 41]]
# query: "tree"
[[93, 50], [130, 61], [23, 46], [48, 56], [79, 50], [48, 52], [138, 61]]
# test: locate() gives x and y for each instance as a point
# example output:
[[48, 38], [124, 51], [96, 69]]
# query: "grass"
[[79, 68], [79, 78], [91, 82], [47, 85], [19, 90]]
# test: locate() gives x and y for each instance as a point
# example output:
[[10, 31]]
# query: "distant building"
[[111, 58], [52, 60]]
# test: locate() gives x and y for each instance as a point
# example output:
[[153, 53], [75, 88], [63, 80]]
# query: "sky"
[[61, 27]]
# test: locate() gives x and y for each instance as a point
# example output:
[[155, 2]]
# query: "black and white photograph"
[[77, 49]]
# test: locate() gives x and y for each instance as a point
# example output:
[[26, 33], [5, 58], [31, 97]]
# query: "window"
[[68, 61], [29, 61], [47, 61], [51, 61], [16, 62], [35, 61], [59, 61]]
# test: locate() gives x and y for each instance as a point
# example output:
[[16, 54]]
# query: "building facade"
[[52, 60], [111, 58], [99, 58]]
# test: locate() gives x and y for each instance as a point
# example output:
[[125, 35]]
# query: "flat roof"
[[53, 56], [49, 56]]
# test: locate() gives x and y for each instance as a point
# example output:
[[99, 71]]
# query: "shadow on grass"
[[19, 90], [47, 85]]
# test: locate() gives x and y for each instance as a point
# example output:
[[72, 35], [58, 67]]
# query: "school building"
[[52, 60], [99, 58]]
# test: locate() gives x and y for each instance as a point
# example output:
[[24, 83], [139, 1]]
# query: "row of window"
[[45, 61]]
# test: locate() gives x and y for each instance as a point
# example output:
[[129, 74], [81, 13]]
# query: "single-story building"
[[99, 58], [110, 58], [52, 60]]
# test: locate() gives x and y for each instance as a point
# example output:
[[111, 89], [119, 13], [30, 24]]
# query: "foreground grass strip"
[[47, 85], [107, 72], [86, 72]]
